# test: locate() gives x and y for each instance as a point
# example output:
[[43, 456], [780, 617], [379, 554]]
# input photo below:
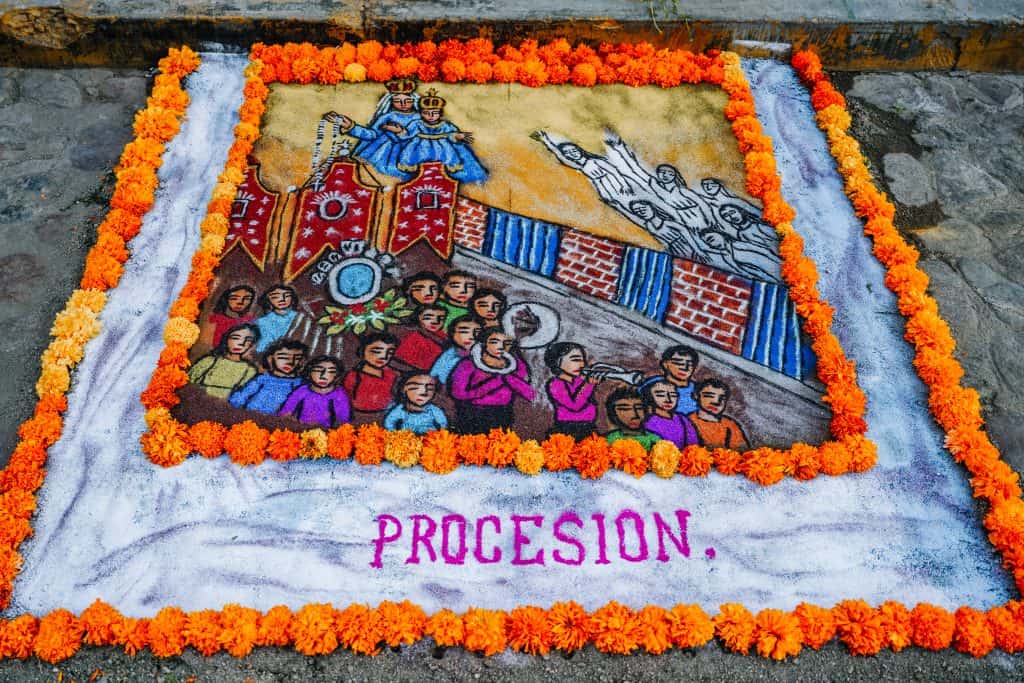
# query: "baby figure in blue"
[[431, 138], [379, 143], [413, 408]]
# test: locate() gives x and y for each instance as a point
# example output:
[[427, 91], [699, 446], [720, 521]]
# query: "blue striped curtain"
[[523, 242], [773, 331], [645, 282]]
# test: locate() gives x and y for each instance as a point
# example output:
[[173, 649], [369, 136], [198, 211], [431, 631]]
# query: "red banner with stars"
[[251, 219], [425, 210], [338, 207]]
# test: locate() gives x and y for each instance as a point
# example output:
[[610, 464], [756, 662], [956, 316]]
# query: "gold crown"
[[400, 86], [431, 100]]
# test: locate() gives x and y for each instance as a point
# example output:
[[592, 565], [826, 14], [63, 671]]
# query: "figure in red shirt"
[[232, 308], [421, 347], [370, 382]]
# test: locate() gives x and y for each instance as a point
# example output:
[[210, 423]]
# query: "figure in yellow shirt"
[[225, 368]]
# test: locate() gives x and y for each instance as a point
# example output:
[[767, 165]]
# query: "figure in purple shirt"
[[661, 397], [571, 393], [319, 400], [485, 384]]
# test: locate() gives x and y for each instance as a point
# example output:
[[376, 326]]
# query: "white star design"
[[310, 215], [402, 238], [330, 232], [254, 222], [424, 228], [250, 231], [439, 238], [265, 200], [357, 211], [422, 217], [307, 232], [440, 221], [303, 253], [254, 241], [259, 212], [407, 209], [363, 193], [403, 224]]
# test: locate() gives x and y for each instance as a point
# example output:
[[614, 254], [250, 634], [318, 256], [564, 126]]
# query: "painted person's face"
[[497, 345], [666, 175], [679, 367], [464, 334], [710, 186], [488, 307], [432, 321], [423, 291], [240, 341], [378, 354], [731, 215], [665, 396], [280, 299], [715, 240], [239, 301], [573, 363], [286, 362], [630, 412], [323, 374], [431, 115], [572, 153], [420, 390], [460, 289], [402, 103], [644, 210], [712, 400]]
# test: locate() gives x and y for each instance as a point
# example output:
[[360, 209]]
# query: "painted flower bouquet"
[[386, 309]]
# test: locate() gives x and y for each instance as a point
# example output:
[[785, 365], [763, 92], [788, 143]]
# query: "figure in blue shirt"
[[267, 392], [279, 304], [413, 409], [462, 335], [379, 142], [431, 138]]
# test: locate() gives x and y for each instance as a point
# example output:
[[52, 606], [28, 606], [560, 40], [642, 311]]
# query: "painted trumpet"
[[608, 371]]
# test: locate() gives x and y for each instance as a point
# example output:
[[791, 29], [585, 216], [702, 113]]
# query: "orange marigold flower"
[[825, 95], [592, 457], [122, 222], [18, 504], [835, 458], [167, 632], [59, 636], [169, 97], [427, 72], [369, 444], [727, 462], [690, 626], [406, 66], [403, 623], [340, 441], [13, 530], [999, 483], [44, 427], [529, 458], [181, 331], [532, 73], [453, 70], [166, 443], [505, 71], [833, 117], [179, 61], [402, 448], [246, 443], [156, 123], [20, 476], [141, 152], [484, 630], [777, 634], [558, 74], [479, 72], [99, 621], [734, 626], [860, 627], [202, 631], [283, 445], [369, 51], [927, 329], [629, 456], [305, 70], [313, 629], [695, 461], [616, 628], [583, 75], [529, 630], [275, 627], [240, 629], [312, 443], [502, 446], [1007, 625], [895, 620], [972, 634], [472, 449], [931, 627], [766, 466], [655, 629], [1005, 523], [937, 368], [570, 626], [439, 453], [162, 387], [665, 459], [805, 461], [379, 70], [102, 271], [184, 309], [360, 629], [955, 406], [18, 637], [446, 628], [558, 449], [776, 209], [817, 624]]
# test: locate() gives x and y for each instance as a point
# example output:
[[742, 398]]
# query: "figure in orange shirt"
[[716, 429]]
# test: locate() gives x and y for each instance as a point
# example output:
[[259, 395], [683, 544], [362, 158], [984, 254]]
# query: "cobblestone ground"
[[946, 146]]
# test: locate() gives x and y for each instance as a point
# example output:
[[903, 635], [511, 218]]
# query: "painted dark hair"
[[419, 277], [308, 370], [647, 395], [680, 350], [713, 382], [484, 293], [459, 273], [222, 301], [424, 308], [484, 333], [222, 346], [264, 302], [554, 354], [289, 344], [364, 343], [620, 394], [677, 176], [398, 388]]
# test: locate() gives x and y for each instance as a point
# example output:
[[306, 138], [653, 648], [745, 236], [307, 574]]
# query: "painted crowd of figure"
[[706, 224], [409, 129], [456, 343]]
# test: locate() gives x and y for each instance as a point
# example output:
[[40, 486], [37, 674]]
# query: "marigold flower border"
[[168, 442], [566, 626]]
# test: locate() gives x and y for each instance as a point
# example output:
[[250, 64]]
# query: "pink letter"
[[569, 518], [478, 552], [602, 546], [681, 544], [519, 539], [382, 523], [638, 523], [422, 537], [446, 523]]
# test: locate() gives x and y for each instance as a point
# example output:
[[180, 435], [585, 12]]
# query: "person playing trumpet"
[[571, 390]]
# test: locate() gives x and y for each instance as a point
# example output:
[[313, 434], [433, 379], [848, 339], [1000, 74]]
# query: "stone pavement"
[[946, 145]]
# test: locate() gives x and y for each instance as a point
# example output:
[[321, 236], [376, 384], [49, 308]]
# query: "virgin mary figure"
[[432, 138], [380, 141]]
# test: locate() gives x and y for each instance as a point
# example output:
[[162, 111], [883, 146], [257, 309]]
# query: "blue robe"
[[380, 148], [434, 142]]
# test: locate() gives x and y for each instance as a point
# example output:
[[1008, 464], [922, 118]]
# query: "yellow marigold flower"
[[182, 331], [212, 244], [402, 448], [214, 224], [314, 444], [67, 352], [529, 457], [232, 176], [355, 73], [155, 415], [224, 191], [75, 323], [665, 457], [54, 379], [92, 299]]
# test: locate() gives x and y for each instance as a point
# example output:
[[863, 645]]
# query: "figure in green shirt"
[[225, 368], [626, 410], [458, 288]]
